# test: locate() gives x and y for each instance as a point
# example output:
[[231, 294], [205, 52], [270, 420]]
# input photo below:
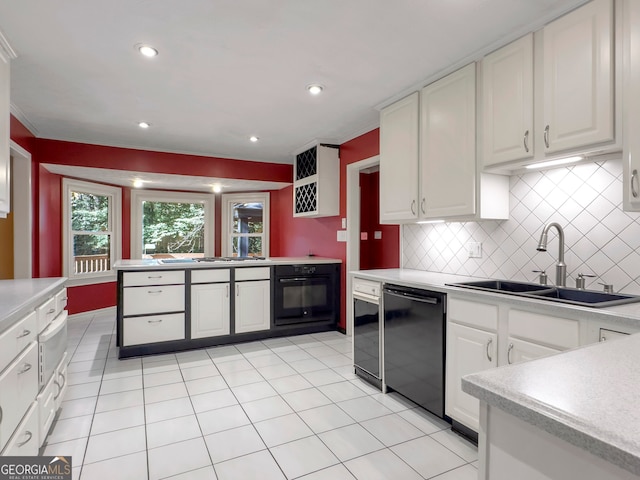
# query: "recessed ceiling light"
[[315, 89], [144, 125], [137, 183], [217, 188], [147, 51], [253, 138]]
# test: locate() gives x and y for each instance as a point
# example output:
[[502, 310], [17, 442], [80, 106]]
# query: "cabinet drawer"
[[46, 409], [18, 388], [46, 313], [476, 314], [24, 442], [61, 300], [259, 273], [153, 299], [366, 286], [16, 338], [152, 329], [135, 279], [210, 276], [556, 332]]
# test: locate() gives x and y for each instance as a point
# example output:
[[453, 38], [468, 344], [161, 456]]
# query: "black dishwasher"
[[414, 345]]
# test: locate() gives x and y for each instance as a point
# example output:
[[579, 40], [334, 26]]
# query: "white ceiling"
[[231, 69]]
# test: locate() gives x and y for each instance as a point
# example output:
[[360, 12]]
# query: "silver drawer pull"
[[27, 367], [154, 291], [488, 346], [25, 333], [509, 353], [51, 311], [29, 437], [1, 415], [154, 276], [634, 183], [64, 299], [154, 321], [525, 141]]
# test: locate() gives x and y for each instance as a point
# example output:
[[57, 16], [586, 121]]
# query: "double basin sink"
[[573, 296]]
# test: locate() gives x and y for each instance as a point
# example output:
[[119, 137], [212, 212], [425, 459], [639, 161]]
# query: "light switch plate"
[[341, 236]]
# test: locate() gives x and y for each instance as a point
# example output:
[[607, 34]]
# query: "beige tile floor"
[[282, 408]]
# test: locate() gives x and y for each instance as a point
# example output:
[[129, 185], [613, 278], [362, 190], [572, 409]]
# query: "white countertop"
[[17, 297], [628, 314], [587, 397], [142, 264]]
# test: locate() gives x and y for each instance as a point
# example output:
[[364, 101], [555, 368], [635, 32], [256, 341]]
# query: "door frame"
[[22, 212], [353, 226]]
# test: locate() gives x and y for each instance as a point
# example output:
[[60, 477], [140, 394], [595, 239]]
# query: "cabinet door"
[[631, 121], [399, 161], [469, 350], [521, 351], [507, 103], [448, 145], [5, 163], [253, 306], [578, 78], [210, 308]]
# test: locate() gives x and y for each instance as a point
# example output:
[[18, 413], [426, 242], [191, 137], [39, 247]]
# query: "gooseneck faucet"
[[561, 267]]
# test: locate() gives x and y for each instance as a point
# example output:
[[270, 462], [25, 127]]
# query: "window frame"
[[115, 219], [227, 220], [139, 196]]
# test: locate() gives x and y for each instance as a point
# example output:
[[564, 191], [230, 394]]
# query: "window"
[[91, 233], [245, 224], [171, 224]]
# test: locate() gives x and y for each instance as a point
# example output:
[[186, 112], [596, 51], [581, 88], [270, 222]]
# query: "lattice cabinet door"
[[316, 186]]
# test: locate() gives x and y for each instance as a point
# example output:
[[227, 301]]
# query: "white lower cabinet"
[[210, 310], [608, 335], [253, 306], [25, 439], [469, 350], [523, 351]]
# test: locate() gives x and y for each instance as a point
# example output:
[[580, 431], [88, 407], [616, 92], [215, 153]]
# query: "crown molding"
[[22, 118]]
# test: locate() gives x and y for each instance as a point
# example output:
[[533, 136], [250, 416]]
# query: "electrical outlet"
[[474, 249]]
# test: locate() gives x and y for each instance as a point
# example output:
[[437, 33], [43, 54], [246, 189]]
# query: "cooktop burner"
[[228, 259]]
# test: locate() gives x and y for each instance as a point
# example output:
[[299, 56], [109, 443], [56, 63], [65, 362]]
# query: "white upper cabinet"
[[399, 160], [5, 161], [507, 103], [448, 145], [631, 143], [578, 71]]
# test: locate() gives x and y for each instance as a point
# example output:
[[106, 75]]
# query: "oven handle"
[[296, 279], [54, 327]]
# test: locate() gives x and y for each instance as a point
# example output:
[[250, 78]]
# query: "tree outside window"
[[173, 228]]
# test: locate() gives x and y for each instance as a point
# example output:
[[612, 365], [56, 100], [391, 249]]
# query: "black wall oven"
[[306, 294]]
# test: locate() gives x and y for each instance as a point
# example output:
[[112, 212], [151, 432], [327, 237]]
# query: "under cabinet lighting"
[[555, 163], [422, 222]]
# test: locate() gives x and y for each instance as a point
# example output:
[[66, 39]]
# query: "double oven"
[[306, 295]]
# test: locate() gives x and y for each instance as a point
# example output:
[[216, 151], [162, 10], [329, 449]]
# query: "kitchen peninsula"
[[168, 305]]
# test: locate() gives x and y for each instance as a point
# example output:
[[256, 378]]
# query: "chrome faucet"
[[561, 267]]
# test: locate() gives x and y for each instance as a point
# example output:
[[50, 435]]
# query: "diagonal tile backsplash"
[[585, 199]]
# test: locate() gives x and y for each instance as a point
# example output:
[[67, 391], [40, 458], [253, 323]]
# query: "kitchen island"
[[572, 415], [167, 305]]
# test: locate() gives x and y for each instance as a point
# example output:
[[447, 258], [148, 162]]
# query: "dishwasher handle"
[[412, 296]]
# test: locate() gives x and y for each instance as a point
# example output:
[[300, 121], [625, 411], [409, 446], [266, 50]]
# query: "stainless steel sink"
[[585, 298], [169, 261]]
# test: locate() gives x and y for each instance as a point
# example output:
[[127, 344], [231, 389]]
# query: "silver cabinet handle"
[[525, 141], [422, 206], [634, 183], [237, 290], [51, 311], [413, 207], [546, 136], [509, 353], [60, 387], [29, 436], [25, 333], [154, 276], [65, 299], [227, 291], [488, 346], [154, 321], [154, 291], [1, 415], [27, 367], [603, 338]]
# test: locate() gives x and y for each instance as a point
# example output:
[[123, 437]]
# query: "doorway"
[[21, 210]]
